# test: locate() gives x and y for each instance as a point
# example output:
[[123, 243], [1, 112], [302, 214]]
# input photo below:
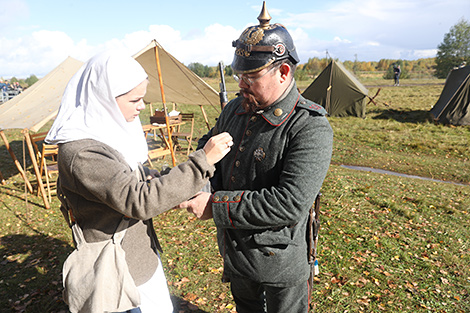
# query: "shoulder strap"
[[311, 106], [64, 207], [121, 230]]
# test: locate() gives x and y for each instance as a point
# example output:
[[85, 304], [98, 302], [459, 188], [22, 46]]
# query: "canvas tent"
[[180, 84], [338, 91], [34, 107], [453, 105]]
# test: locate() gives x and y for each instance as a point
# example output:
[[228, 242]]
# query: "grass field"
[[387, 243]]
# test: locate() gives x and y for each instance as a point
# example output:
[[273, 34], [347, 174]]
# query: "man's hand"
[[200, 205]]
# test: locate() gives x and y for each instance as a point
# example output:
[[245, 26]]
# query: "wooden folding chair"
[[49, 164], [37, 140], [188, 118], [46, 159]]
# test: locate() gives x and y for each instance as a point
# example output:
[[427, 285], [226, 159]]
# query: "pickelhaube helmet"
[[260, 46]]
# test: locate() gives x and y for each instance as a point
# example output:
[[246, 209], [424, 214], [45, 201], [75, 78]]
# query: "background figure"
[[263, 189], [101, 148], [396, 75]]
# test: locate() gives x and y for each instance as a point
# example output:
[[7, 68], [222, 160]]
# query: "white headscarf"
[[89, 108]]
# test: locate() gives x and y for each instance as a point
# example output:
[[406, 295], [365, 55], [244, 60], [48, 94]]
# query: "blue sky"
[[37, 35]]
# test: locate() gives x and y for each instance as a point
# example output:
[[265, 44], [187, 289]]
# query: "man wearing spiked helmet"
[[264, 188]]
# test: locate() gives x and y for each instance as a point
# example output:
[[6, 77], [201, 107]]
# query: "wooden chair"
[[48, 163], [46, 158], [188, 118], [37, 140]]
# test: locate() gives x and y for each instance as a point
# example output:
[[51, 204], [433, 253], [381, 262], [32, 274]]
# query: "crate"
[[160, 119]]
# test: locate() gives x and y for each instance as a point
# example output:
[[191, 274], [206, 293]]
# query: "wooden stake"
[[205, 117], [15, 160], [168, 128], [32, 155]]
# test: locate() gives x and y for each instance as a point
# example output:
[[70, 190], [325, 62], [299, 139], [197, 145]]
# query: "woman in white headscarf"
[[101, 151]]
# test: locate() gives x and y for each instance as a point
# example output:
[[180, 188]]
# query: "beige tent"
[[40, 103], [180, 84], [34, 107]]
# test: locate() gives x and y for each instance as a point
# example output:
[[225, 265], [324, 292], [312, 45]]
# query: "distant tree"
[[454, 49], [384, 65], [349, 65], [301, 74], [31, 80], [228, 71], [212, 71], [198, 69], [315, 66]]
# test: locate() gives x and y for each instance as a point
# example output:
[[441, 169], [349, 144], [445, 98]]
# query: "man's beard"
[[249, 103]]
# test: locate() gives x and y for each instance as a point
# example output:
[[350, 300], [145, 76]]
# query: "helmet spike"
[[264, 17]]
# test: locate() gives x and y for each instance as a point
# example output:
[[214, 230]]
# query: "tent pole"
[[15, 160], [205, 117], [328, 91], [170, 141], [36, 168]]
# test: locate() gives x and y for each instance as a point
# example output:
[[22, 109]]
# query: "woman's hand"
[[200, 205], [217, 147]]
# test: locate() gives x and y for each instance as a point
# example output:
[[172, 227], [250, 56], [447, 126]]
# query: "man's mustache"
[[249, 102]]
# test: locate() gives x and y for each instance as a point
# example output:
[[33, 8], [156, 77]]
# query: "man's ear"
[[285, 71]]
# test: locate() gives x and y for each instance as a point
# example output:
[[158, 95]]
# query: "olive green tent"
[[453, 105], [338, 91]]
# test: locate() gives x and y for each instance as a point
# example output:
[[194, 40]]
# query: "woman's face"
[[132, 102]]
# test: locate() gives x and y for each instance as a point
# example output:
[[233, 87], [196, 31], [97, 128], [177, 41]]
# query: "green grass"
[[387, 243]]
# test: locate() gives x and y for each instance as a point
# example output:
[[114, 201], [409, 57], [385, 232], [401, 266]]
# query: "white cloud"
[[37, 53], [373, 43], [41, 51], [337, 39]]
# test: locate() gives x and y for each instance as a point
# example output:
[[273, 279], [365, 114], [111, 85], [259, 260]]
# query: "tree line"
[[314, 66], [24, 83]]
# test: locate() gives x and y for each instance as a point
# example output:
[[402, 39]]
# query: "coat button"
[[236, 198], [248, 132], [237, 163], [216, 198], [242, 148], [225, 198], [253, 118], [232, 178], [278, 112]]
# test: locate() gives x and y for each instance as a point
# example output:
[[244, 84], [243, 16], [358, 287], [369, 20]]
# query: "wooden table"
[[161, 128]]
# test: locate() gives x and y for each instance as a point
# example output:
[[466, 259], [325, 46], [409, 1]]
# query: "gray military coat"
[[266, 185]]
